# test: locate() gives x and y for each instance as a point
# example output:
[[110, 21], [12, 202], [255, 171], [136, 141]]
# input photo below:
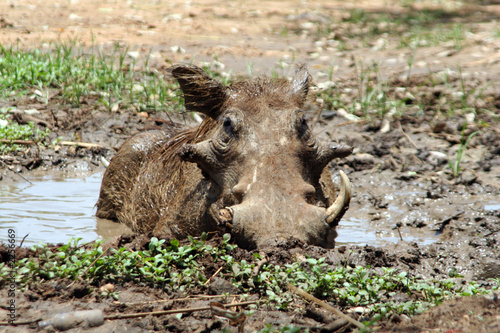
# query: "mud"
[[422, 219]]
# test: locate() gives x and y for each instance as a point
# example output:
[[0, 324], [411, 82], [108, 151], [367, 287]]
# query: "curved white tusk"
[[338, 208]]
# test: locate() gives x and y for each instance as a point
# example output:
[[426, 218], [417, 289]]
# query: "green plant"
[[455, 163], [10, 131], [76, 75], [174, 266]]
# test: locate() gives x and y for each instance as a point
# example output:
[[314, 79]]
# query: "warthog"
[[252, 167]]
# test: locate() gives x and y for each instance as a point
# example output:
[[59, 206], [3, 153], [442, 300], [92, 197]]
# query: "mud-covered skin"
[[119, 178], [252, 167]]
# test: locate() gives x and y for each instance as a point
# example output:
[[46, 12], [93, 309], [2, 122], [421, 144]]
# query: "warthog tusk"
[[341, 204]]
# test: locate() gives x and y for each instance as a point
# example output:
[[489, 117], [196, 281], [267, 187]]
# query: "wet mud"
[[421, 218]]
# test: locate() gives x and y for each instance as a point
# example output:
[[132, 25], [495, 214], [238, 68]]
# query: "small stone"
[[133, 54], [467, 178], [107, 288], [380, 44], [74, 17], [31, 112], [220, 286], [349, 116], [177, 49], [437, 157], [364, 158], [137, 88], [386, 126], [469, 118], [325, 85]]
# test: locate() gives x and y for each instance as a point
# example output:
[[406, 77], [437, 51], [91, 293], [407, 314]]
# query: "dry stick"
[[22, 241], [259, 265], [92, 264], [324, 305], [8, 168], [190, 298], [140, 314], [406, 135], [317, 116], [352, 122], [216, 272], [160, 313], [18, 142], [80, 144], [23, 322]]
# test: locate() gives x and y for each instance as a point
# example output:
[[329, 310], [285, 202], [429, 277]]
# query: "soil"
[[399, 158]]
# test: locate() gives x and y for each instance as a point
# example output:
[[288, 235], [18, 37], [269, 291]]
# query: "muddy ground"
[[399, 157]]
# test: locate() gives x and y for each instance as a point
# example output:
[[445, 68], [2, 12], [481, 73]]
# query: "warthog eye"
[[303, 128], [228, 126]]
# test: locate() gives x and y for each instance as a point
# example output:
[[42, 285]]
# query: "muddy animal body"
[[252, 168]]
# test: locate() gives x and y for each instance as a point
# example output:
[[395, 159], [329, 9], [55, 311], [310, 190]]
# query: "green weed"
[[11, 130], [78, 75], [455, 163], [175, 266]]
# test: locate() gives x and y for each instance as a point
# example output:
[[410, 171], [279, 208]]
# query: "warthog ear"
[[201, 92], [300, 82]]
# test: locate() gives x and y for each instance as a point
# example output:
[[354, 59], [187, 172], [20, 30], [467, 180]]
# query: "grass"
[[409, 27], [172, 266], [10, 130], [76, 76], [454, 164]]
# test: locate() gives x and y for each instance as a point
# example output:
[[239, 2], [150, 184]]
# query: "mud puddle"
[[54, 208]]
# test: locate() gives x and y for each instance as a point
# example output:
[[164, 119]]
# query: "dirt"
[[398, 161]]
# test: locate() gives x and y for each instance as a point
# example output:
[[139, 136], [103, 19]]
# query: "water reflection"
[[53, 209]]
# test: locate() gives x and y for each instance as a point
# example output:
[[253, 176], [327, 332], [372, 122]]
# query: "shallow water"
[[57, 207], [53, 209]]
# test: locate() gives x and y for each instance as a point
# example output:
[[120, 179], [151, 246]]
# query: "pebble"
[[177, 49], [74, 17], [31, 112], [364, 158], [137, 88], [325, 85], [133, 54], [437, 157], [349, 116]]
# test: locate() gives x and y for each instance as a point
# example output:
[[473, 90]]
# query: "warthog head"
[[270, 170]]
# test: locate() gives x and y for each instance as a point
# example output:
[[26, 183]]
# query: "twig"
[[406, 136], [210, 278], [235, 318], [399, 231], [491, 233], [23, 322], [324, 305], [22, 241], [194, 297], [8, 168], [185, 310], [351, 122], [259, 265], [80, 144], [140, 314], [91, 264], [317, 116], [18, 142]]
